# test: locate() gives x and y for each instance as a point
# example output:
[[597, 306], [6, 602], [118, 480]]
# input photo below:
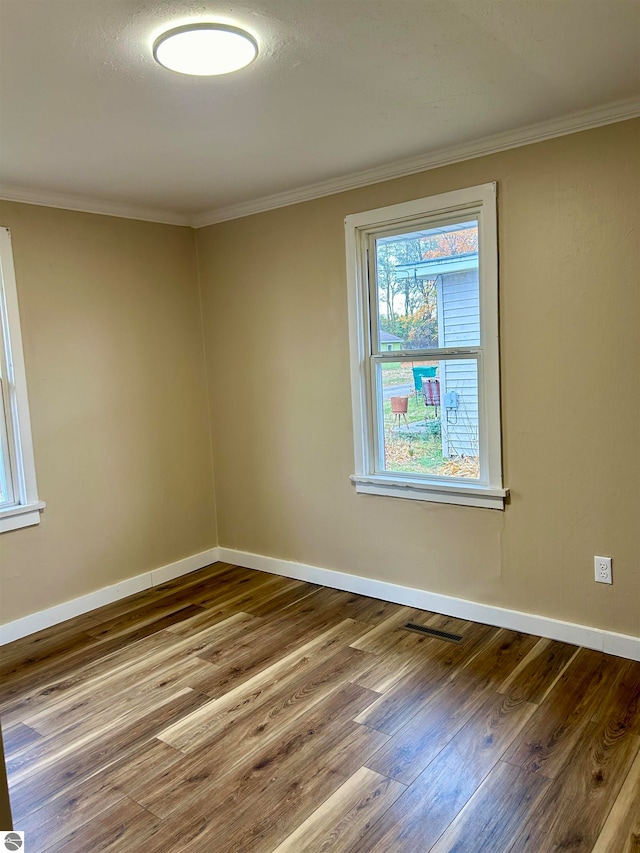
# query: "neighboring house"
[[458, 309], [390, 342]]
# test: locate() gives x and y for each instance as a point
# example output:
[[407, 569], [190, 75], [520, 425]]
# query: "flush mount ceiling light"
[[205, 49]]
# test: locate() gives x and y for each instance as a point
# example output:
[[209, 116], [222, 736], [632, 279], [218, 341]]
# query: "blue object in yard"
[[420, 373]]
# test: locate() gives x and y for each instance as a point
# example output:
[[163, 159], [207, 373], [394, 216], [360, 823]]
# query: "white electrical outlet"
[[603, 569]]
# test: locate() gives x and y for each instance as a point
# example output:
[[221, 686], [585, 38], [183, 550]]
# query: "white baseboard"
[[107, 595], [622, 645]]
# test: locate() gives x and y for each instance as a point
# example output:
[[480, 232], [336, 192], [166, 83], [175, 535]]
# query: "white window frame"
[[473, 202], [23, 508]]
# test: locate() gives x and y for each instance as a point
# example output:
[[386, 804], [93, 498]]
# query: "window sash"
[[375, 404], [370, 248]]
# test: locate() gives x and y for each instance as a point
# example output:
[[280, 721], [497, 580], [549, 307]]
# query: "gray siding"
[[459, 325]]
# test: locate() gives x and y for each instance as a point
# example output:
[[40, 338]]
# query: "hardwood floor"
[[232, 711]]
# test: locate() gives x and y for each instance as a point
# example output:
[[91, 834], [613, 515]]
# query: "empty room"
[[320, 426]]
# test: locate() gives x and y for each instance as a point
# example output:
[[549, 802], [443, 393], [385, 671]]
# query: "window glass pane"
[[428, 420], [427, 288]]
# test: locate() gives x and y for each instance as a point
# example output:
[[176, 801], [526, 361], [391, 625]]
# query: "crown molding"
[[573, 123], [82, 204]]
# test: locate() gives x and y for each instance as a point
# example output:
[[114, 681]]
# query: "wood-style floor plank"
[[550, 737], [84, 651], [57, 773], [220, 770], [126, 666], [342, 818], [492, 818], [621, 830], [537, 673], [77, 716], [291, 683], [417, 818], [388, 633], [286, 596], [269, 642], [151, 760], [347, 605], [123, 828], [572, 813], [48, 826], [233, 711], [439, 663], [18, 737], [418, 742], [293, 796], [277, 777], [622, 706]]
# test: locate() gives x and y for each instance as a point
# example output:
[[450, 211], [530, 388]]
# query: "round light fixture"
[[205, 49]]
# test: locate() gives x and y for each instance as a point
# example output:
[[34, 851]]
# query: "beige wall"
[[113, 348], [275, 313]]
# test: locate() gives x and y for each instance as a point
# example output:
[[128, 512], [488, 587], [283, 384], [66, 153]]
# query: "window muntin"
[[19, 504], [425, 272]]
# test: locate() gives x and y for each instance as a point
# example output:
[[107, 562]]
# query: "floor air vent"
[[433, 632]]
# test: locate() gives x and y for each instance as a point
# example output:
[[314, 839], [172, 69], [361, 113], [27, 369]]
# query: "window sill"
[[25, 515], [416, 490]]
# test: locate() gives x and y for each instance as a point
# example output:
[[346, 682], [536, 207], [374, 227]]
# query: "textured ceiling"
[[339, 86]]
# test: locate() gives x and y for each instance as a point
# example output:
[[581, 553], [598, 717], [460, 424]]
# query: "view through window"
[[428, 298]]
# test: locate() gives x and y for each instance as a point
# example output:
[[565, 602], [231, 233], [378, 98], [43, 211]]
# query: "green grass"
[[419, 453]]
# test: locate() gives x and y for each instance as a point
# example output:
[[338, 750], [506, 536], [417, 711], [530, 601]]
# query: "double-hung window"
[[423, 316], [19, 504]]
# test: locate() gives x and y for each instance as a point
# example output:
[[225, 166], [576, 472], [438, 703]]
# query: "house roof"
[[438, 266], [388, 338], [335, 99]]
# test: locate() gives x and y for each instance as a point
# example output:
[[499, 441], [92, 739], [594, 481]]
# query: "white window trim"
[[25, 511], [489, 492]]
